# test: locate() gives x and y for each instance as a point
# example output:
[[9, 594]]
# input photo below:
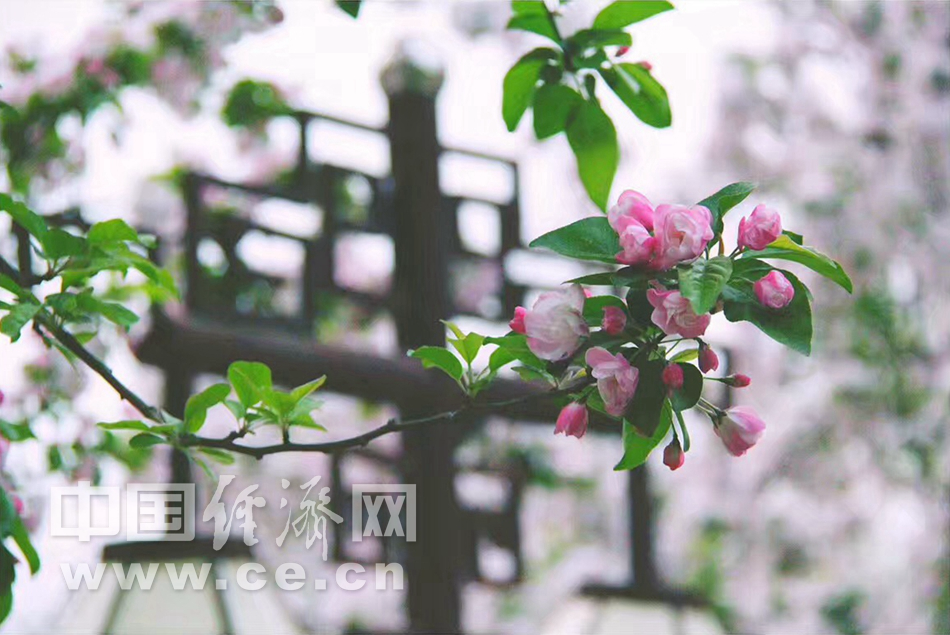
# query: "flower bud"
[[17, 504], [708, 360], [739, 380], [740, 429], [673, 376], [623, 50], [1, 397], [774, 291], [673, 455], [615, 320], [761, 227], [645, 65], [572, 421], [517, 322]]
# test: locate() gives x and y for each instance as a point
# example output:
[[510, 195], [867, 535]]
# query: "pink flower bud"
[[740, 429], [587, 292], [673, 376], [673, 455], [740, 381], [645, 65], [774, 291], [1, 397], [708, 360], [17, 504], [615, 320], [517, 322], [762, 227], [572, 421], [623, 50]]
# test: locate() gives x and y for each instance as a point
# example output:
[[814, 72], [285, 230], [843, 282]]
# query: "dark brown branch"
[[393, 425]]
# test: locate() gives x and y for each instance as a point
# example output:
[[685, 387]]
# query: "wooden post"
[[420, 299]]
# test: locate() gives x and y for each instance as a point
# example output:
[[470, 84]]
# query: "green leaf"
[[59, 243], [640, 92], [15, 431], [644, 411], [686, 356], [111, 231], [687, 396], [594, 307], [11, 525], [441, 358], [23, 216], [703, 281], [196, 408], [636, 446], [237, 408], [468, 346], [624, 13], [533, 16], [534, 374], [520, 83], [250, 381], [114, 312], [351, 7], [587, 239], [220, 456], [10, 285], [146, 440], [724, 200], [594, 142], [784, 248], [19, 316], [620, 278], [301, 392], [599, 38], [516, 346], [554, 104], [791, 326], [139, 426]]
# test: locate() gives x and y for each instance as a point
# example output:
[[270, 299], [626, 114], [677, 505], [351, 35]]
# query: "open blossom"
[[673, 455], [761, 227], [681, 233], [616, 379], [637, 245], [615, 320], [555, 324], [708, 360], [774, 290], [631, 207], [572, 421], [674, 314], [740, 429]]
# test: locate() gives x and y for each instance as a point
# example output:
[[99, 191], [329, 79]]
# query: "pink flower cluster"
[[660, 238]]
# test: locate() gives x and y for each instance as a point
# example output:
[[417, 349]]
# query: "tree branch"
[[393, 425]]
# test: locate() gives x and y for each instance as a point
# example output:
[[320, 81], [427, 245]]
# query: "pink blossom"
[[572, 421], [517, 322], [631, 206], [674, 314], [615, 320], [740, 429], [761, 228], [708, 360], [673, 455], [555, 324], [681, 233], [623, 50], [616, 379], [774, 290], [637, 245], [673, 376]]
